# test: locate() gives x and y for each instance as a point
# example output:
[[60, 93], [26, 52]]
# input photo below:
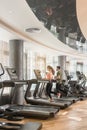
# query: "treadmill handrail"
[[2, 70]]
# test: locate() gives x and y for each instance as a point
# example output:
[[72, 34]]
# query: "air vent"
[[33, 30]]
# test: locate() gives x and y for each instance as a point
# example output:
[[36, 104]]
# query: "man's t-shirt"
[[59, 76]]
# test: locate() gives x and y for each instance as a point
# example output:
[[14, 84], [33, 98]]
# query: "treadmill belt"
[[33, 108], [68, 99], [14, 126], [31, 126], [32, 111], [74, 99], [34, 101], [68, 103], [64, 100]]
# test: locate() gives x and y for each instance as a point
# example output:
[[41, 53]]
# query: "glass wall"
[[74, 65], [4, 56], [33, 61], [4, 53]]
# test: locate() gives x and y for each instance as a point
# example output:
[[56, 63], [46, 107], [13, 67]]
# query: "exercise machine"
[[26, 110], [73, 89], [12, 126], [38, 100]]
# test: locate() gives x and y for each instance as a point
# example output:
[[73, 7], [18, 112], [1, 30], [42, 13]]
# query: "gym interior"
[[35, 34]]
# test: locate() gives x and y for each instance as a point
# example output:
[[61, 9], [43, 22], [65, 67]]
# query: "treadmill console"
[[12, 73], [38, 74]]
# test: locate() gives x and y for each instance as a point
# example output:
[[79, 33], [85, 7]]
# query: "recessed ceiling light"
[[33, 30]]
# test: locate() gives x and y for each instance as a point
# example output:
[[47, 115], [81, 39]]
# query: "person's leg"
[[55, 93], [48, 90], [58, 85]]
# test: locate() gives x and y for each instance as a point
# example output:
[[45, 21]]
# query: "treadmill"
[[72, 99], [39, 100], [42, 112], [12, 126]]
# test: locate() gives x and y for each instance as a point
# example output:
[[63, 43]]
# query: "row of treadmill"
[[37, 104]]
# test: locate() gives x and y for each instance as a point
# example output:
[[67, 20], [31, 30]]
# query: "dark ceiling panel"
[[60, 13]]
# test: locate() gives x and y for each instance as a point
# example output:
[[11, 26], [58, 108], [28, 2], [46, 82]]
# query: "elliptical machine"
[[81, 83], [76, 87]]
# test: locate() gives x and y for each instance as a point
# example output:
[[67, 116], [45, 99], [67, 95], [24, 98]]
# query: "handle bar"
[[2, 70]]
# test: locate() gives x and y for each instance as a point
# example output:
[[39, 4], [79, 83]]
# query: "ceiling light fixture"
[[33, 30]]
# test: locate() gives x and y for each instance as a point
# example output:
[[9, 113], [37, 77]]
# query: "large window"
[[33, 60], [4, 53], [4, 56]]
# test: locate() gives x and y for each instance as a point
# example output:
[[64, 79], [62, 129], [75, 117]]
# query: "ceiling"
[[16, 19], [58, 13], [6, 35]]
